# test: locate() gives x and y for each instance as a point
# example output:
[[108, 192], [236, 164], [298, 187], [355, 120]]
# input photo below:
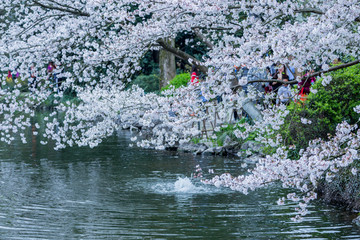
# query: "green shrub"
[[335, 102], [150, 83], [178, 81], [331, 105]]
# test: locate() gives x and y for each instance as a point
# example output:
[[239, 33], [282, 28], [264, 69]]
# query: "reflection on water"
[[117, 192]]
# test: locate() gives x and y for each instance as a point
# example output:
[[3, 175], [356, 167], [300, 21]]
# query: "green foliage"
[[178, 81], [150, 83], [149, 64], [228, 131], [331, 105], [335, 102], [268, 150], [224, 132], [195, 140]]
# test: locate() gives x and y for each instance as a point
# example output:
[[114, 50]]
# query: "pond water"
[[117, 192]]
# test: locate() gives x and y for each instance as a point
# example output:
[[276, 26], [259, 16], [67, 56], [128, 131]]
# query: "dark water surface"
[[117, 192]]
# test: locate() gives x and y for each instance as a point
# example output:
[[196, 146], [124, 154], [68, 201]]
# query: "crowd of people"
[[281, 72], [52, 72], [284, 92]]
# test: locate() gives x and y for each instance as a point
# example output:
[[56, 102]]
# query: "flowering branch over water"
[[321, 159]]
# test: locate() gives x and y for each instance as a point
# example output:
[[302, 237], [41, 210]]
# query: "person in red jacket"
[[194, 75], [306, 82]]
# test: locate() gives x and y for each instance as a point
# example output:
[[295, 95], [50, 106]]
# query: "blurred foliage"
[[150, 83], [178, 81], [150, 64]]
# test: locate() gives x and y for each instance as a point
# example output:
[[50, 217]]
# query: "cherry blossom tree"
[[101, 42]]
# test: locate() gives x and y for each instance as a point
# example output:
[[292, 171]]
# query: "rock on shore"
[[342, 191]]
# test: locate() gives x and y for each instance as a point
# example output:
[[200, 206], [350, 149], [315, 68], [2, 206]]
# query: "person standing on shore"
[[194, 75]]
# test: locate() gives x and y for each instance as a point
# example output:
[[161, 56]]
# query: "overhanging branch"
[[304, 10], [183, 55], [309, 10], [345, 65], [62, 9], [317, 11]]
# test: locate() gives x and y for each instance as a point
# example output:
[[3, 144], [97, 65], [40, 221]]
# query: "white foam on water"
[[180, 186], [185, 185]]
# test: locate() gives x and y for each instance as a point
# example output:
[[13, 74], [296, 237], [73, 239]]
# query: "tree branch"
[[203, 39], [63, 9], [214, 28], [304, 10], [183, 55], [309, 10], [317, 11], [65, 6], [38, 22], [345, 65]]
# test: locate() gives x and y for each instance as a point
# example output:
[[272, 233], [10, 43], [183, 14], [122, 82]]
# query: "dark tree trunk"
[[167, 64]]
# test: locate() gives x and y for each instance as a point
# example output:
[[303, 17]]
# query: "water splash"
[[184, 185], [180, 186]]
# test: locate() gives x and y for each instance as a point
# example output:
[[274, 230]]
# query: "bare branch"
[[304, 10], [345, 65], [63, 9], [65, 6], [214, 28], [38, 22], [183, 55], [317, 11], [309, 10]]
